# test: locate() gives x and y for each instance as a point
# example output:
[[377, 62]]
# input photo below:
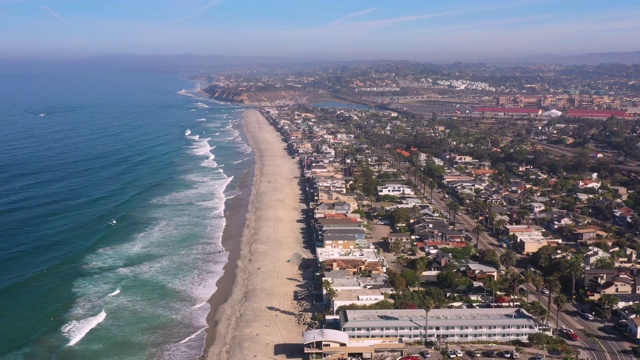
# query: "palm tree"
[[477, 230], [428, 305], [431, 185], [604, 263], [553, 285], [498, 226], [559, 301], [522, 213], [329, 291], [573, 267], [608, 302], [453, 208], [511, 281], [537, 282], [508, 259], [491, 284], [538, 311], [528, 276]]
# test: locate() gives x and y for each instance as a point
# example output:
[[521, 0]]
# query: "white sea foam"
[[193, 335], [201, 119], [245, 148], [116, 292], [202, 105], [76, 330], [187, 132], [200, 305], [184, 92], [192, 110]]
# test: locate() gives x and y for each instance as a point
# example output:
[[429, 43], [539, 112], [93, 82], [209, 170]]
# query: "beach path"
[[259, 318]]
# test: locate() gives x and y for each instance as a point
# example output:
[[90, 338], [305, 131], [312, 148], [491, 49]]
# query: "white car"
[[515, 355], [540, 357], [452, 354], [458, 353], [544, 291]]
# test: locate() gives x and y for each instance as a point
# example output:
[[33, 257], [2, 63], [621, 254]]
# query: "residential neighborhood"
[[414, 244]]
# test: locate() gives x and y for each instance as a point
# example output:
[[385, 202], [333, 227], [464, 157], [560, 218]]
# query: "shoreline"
[[235, 215], [260, 313]]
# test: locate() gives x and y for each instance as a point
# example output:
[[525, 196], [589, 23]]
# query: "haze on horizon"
[[323, 30]]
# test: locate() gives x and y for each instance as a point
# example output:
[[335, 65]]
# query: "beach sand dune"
[[259, 318]]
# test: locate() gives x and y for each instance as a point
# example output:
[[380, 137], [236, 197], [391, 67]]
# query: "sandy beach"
[[258, 319]]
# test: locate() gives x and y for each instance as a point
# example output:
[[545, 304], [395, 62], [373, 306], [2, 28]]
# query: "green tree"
[[489, 257], [428, 304], [604, 263], [508, 259], [538, 282], [559, 301], [607, 303], [431, 185], [574, 268], [553, 285], [528, 277], [400, 216], [477, 231], [396, 246], [453, 208], [538, 311], [396, 280], [410, 277], [491, 284]]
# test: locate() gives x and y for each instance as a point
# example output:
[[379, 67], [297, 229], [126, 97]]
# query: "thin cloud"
[[50, 11], [197, 12], [352, 15]]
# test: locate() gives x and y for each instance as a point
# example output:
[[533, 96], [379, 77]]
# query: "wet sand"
[[257, 317]]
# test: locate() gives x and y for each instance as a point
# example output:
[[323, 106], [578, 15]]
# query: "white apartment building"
[[450, 325]]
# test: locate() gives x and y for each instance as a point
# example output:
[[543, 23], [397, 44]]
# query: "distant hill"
[[168, 63], [586, 59]]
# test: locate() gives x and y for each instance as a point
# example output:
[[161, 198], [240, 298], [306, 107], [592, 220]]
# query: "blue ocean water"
[[112, 194]]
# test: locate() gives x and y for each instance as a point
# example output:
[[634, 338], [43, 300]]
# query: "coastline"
[[235, 212], [258, 308]]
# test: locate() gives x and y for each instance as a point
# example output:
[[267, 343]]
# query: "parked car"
[[544, 291], [451, 354], [477, 353], [515, 355], [458, 353], [540, 357], [506, 354], [425, 354]]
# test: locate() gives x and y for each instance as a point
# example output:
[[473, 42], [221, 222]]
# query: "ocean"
[[113, 187]]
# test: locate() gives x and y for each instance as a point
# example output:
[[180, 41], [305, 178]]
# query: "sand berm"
[[258, 320]]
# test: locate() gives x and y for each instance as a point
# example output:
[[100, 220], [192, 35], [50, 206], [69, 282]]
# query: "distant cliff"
[[251, 96], [227, 95]]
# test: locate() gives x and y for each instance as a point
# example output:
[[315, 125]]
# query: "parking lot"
[[480, 351]]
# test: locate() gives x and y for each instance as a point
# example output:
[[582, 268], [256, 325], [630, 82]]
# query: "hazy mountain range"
[[190, 62]]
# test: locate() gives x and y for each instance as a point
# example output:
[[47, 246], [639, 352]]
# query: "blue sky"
[[319, 29]]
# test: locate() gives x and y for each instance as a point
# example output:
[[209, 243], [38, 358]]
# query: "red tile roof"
[[602, 114]]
